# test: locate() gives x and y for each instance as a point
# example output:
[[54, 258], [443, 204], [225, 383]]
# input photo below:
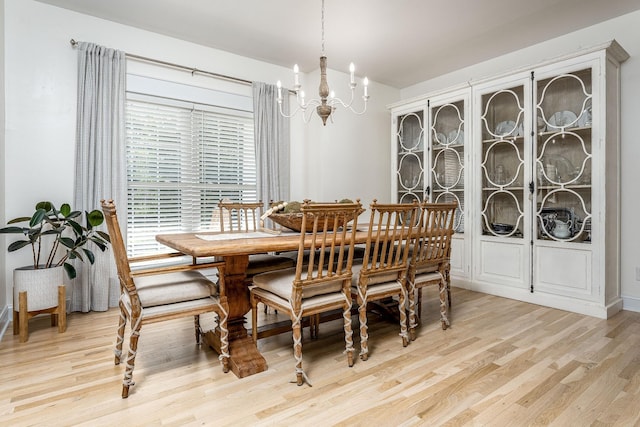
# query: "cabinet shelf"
[[419, 153], [566, 187], [449, 190], [516, 139], [564, 130], [516, 188], [459, 147]]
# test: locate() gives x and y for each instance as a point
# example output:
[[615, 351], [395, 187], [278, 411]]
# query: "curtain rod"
[[180, 67]]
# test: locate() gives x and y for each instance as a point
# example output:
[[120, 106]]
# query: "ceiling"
[[398, 43]]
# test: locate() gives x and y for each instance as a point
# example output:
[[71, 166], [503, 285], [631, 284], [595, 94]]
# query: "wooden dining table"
[[234, 249]]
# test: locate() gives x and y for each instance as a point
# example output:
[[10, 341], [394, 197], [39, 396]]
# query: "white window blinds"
[[182, 159]]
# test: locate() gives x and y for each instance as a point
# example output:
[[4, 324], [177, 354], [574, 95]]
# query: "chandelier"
[[327, 103]]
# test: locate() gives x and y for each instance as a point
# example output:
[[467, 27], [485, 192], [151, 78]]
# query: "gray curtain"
[[272, 138], [100, 164]]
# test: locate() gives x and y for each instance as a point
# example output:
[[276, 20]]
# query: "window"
[[182, 159]]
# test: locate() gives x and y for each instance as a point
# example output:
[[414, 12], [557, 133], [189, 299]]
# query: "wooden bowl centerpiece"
[[290, 217]]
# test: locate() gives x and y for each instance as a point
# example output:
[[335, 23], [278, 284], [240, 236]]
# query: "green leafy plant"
[[64, 232]]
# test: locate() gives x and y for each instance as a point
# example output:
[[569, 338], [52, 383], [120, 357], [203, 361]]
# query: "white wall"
[[349, 157], [41, 108], [626, 30], [4, 312]]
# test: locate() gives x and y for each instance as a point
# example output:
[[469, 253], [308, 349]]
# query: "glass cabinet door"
[[410, 149], [563, 157], [447, 157], [503, 163]]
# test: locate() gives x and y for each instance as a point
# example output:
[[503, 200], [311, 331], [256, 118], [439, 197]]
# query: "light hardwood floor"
[[501, 363]]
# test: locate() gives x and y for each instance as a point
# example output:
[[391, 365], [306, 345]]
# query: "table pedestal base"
[[245, 358]]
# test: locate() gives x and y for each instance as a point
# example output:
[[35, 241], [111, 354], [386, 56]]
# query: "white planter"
[[40, 284]]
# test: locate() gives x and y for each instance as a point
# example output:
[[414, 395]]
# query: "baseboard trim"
[[631, 303]]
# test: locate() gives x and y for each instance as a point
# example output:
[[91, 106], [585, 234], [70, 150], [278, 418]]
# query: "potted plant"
[[63, 231], [39, 288]]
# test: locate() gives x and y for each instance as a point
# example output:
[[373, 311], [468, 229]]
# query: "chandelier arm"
[[307, 114], [341, 102], [288, 116], [349, 106], [364, 108]]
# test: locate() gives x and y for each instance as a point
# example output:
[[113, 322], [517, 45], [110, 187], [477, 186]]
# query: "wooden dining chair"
[[430, 260], [321, 284], [163, 293], [239, 217], [383, 272]]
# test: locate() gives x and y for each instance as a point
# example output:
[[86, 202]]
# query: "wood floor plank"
[[502, 362]]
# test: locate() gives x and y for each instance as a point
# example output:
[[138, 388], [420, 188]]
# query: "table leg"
[[245, 358]]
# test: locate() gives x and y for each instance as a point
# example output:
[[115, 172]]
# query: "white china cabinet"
[[430, 157], [534, 166]]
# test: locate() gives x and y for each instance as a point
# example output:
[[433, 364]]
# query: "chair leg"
[[196, 324], [254, 318], [402, 303], [122, 323], [364, 336], [223, 316], [413, 323], [448, 281], [443, 305], [131, 357], [348, 333], [418, 320], [297, 347], [266, 309], [314, 326]]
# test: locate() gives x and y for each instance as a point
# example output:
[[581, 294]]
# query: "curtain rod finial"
[[73, 42]]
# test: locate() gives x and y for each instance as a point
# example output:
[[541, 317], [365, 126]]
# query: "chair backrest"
[[118, 247], [239, 216], [391, 228], [436, 229], [330, 246]]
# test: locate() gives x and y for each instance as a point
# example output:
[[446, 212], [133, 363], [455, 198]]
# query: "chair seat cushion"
[[161, 311], [281, 283], [325, 301], [263, 263], [374, 279], [427, 268], [181, 286], [430, 278]]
